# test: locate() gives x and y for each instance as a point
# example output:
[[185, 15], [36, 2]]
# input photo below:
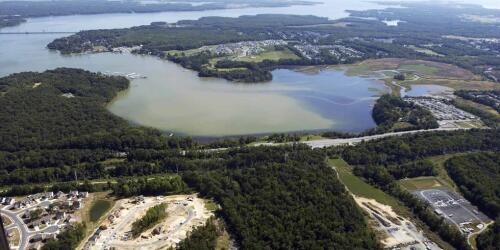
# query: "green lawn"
[[358, 187], [424, 182], [98, 209], [273, 55], [210, 205], [420, 68]]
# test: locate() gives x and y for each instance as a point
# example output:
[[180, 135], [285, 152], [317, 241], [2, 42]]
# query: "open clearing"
[[184, 213], [273, 55], [424, 182], [476, 105], [395, 231], [358, 187], [419, 72]]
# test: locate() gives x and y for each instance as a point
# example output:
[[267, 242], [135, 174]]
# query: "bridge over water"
[[37, 32]]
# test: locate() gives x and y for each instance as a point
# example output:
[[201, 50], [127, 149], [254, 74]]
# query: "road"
[[24, 233], [323, 143]]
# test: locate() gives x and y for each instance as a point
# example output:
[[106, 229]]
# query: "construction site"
[[395, 232], [184, 213]]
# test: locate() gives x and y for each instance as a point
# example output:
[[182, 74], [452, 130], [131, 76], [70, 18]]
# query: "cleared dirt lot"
[[395, 231], [184, 213]]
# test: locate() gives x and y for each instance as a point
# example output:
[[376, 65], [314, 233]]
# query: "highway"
[[323, 143]]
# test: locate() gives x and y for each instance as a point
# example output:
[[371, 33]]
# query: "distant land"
[[245, 49], [13, 12]]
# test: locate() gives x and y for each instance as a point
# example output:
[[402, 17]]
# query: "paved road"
[[23, 229], [323, 143], [24, 233]]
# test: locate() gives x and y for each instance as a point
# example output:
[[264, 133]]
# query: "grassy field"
[[441, 180], [420, 72], [358, 187], [210, 205], [419, 68], [424, 51], [273, 55], [477, 106], [424, 182]]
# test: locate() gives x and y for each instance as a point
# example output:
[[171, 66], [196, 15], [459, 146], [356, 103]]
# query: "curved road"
[[24, 233]]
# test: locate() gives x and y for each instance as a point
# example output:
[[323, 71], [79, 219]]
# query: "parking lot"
[[455, 209]]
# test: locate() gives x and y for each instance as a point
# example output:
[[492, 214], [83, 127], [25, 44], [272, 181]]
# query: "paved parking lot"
[[454, 208]]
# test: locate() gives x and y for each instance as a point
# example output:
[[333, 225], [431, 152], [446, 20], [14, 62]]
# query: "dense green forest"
[[36, 114], [153, 216], [284, 198], [202, 238], [152, 186], [389, 110], [478, 177], [402, 149]]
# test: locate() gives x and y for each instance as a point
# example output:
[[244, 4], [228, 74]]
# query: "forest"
[[402, 149], [478, 177], [284, 201], [389, 110]]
